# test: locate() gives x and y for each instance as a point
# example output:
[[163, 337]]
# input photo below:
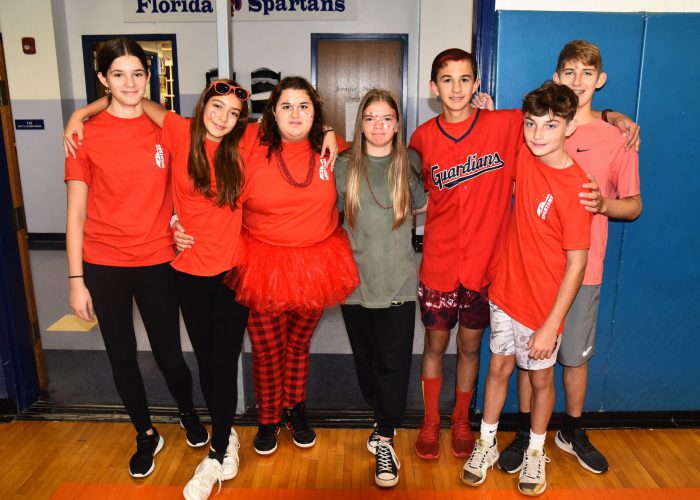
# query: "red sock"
[[431, 397], [462, 401]]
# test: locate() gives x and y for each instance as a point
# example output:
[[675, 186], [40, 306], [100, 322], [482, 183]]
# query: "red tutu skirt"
[[275, 279]]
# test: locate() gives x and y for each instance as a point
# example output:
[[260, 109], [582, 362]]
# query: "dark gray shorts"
[[578, 340]]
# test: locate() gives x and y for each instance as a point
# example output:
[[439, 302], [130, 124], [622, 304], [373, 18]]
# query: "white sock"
[[537, 441], [488, 433]]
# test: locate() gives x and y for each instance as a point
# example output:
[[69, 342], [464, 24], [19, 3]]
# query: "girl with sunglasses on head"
[[119, 246], [299, 259], [377, 190]]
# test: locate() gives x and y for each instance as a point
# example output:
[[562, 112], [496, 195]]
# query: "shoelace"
[[479, 455], [461, 428], [428, 430], [534, 463], [210, 473], [385, 459]]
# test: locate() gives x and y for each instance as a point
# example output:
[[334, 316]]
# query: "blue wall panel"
[[648, 310], [655, 338]]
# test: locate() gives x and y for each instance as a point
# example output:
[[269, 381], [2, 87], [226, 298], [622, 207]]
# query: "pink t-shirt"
[[599, 149]]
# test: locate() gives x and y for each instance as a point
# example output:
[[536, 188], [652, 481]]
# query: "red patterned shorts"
[[441, 310]]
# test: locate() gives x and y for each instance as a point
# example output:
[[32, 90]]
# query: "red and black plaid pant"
[[280, 347]]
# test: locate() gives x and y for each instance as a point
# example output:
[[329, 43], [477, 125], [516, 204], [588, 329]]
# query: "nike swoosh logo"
[[587, 350], [579, 150]]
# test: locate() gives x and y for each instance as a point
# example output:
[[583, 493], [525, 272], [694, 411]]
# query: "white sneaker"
[[482, 457], [230, 466], [207, 473], [532, 481]]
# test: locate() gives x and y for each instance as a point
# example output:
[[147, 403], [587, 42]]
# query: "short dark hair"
[[117, 47], [451, 55], [551, 99]]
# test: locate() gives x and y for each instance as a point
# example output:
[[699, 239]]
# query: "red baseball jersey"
[[547, 221], [468, 174]]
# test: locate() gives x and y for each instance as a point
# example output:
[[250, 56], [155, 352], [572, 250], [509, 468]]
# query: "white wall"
[[601, 5], [35, 94]]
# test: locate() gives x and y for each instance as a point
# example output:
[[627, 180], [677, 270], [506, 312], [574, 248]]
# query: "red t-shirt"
[[129, 203], [216, 230], [600, 150], [547, 221], [279, 213], [467, 171]]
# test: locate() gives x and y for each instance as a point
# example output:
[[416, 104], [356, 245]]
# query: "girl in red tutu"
[[299, 259]]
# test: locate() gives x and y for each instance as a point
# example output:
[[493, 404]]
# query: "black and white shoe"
[[386, 472], [295, 420], [265, 441], [579, 446], [142, 462], [511, 458], [196, 433], [373, 440]]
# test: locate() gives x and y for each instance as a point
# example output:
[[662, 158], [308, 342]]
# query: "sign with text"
[[154, 11], [29, 124]]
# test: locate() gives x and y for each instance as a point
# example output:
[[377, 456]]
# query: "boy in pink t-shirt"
[[600, 150]]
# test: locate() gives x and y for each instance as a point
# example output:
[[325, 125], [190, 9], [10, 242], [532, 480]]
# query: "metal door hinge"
[[19, 221], [4, 93]]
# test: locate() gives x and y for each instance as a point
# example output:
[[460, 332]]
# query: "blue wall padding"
[[648, 344]]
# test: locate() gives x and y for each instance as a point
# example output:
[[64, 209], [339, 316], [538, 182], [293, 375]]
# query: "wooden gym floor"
[[88, 460]]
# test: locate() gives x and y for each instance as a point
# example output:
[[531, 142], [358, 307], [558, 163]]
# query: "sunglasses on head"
[[225, 88]]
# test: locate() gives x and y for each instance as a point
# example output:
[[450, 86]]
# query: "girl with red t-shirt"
[[119, 245], [299, 259]]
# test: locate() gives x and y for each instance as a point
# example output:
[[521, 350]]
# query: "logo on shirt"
[[323, 171], [473, 167], [543, 207], [160, 157], [579, 150]]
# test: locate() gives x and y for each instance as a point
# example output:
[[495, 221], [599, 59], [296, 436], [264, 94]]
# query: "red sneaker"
[[462, 438], [428, 442]]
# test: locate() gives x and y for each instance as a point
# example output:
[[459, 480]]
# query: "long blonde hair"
[[399, 165]]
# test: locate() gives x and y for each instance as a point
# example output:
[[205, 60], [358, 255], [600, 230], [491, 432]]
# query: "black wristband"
[[75, 276], [328, 130], [604, 115]]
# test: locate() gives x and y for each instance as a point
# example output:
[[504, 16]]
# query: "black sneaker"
[[265, 441], [386, 471], [511, 458], [579, 446], [147, 447], [373, 439], [295, 420], [197, 434]]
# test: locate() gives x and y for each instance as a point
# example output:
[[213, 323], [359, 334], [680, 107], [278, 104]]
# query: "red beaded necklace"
[[287, 176], [374, 197]]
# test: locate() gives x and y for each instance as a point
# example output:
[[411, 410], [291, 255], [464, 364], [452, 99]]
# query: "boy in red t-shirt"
[[601, 152], [537, 279]]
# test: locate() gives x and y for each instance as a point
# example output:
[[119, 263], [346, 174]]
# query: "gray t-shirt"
[[385, 258]]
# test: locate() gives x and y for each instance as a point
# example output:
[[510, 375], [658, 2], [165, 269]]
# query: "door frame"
[[20, 339], [401, 37], [90, 76]]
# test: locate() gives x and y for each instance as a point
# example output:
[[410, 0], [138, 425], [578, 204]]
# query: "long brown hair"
[[270, 132], [228, 167], [399, 166]]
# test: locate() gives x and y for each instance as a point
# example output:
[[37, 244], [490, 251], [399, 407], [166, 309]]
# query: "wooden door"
[[346, 68], [18, 221]]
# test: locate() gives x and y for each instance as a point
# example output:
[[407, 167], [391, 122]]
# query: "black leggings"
[[382, 346], [113, 290], [216, 324]]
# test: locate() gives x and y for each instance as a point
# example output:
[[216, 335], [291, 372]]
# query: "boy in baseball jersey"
[[600, 151], [537, 279]]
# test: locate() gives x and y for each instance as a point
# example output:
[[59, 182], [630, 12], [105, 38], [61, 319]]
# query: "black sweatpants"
[[216, 324], [382, 345], [113, 290]]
